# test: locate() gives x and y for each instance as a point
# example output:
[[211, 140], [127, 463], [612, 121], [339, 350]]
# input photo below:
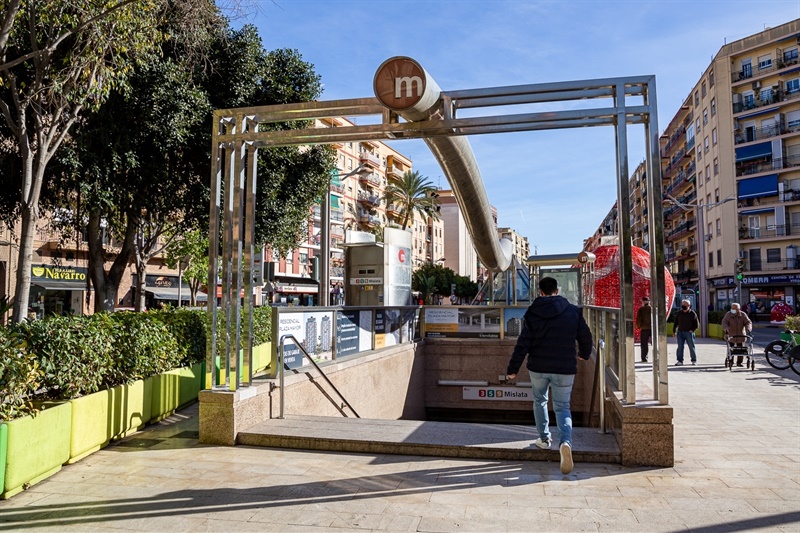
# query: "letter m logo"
[[409, 82]]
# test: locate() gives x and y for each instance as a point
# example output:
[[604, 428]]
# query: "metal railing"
[[749, 167], [281, 372]]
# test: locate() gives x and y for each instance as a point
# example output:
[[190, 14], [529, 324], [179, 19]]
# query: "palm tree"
[[413, 193]]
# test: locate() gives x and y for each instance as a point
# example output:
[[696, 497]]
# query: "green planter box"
[[3, 447], [715, 331], [189, 381], [131, 407], [36, 447], [165, 395], [91, 424]]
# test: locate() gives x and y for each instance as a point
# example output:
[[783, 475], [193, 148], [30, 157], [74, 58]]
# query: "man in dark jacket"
[[686, 323], [644, 324], [550, 328]]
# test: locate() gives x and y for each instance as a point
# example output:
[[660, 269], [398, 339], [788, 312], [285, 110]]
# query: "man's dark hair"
[[548, 286]]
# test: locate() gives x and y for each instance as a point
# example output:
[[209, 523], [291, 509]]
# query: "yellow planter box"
[[37, 447], [91, 424], [131, 407]]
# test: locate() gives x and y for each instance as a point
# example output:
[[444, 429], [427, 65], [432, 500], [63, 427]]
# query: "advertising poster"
[[353, 332], [465, 322], [512, 318], [313, 330], [292, 356], [410, 324], [387, 328]]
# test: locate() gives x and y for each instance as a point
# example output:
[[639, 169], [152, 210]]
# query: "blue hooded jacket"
[[550, 328]]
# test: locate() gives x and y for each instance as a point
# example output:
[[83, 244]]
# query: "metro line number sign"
[[503, 394]]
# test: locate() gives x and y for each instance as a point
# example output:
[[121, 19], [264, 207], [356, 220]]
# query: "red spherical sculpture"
[[779, 312], [606, 285]]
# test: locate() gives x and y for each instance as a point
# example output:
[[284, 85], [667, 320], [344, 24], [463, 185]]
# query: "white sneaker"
[[566, 457], [543, 444]]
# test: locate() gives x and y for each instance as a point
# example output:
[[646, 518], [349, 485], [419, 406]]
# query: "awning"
[[49, 285], [297, 285], [757, 211], [759, 112], [171, 293], [754, 152], [334, 202], [297, 289], [757, 187]]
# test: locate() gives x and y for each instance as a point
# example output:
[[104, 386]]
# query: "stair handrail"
[[281, 374]]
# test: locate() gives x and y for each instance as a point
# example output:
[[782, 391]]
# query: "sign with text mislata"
[[503, 394]]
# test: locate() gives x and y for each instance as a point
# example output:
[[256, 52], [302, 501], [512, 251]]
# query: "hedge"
[[61, 358]]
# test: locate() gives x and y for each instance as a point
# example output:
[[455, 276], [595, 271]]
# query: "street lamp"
[[325, 245], [701, 261]]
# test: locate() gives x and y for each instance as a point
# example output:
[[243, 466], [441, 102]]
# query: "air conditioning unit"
[[742, 254], [756, 85], [798, 39], [708, 236]]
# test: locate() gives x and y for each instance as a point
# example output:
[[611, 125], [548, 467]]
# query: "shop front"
[[165, 290], [58, 290], [287, 290], [760, 294]]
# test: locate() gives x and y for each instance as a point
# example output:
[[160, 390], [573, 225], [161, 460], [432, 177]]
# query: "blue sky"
[[553, 187]]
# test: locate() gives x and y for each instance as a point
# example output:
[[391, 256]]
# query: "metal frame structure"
[[236, 139]]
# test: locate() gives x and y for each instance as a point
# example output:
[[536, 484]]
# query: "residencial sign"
[[502, 394], [462, 322]]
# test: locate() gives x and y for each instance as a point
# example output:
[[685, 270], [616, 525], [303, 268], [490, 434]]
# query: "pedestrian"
[[643, 323], [550, 328], [736, 324], [685, 323]]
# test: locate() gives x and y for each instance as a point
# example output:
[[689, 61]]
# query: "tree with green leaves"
[[190, 250], [413, 193], [59, 58], [442, 277]]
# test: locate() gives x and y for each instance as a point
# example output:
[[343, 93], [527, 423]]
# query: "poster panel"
[[512, 318], [353, 332], [464, 322], [387, 327], [313, 330]]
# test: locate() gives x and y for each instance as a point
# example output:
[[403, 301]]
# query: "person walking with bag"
[[550, 328]]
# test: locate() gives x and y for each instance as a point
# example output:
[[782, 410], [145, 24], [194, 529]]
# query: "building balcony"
[[685, 276], [771, 266], [369, 159], [337, 231], [758, 134], [370, 180], [750, 73], [770, 231], [682, 230], [767, 164], [337, 189], [394, 172], [369, 220], [369, 199], [337, 215], [776, 95], [394, 210]]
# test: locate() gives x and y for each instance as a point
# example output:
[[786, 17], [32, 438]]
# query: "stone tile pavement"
[[737, 438]]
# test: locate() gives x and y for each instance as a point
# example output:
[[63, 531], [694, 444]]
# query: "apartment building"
[[522, 248], [730, 163], [363, 171], [60, 274]]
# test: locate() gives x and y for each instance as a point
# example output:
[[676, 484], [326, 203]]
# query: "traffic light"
[[739, 269]]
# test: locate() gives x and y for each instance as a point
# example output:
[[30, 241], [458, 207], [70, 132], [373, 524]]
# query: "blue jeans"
[[561, 386], [688, 338]]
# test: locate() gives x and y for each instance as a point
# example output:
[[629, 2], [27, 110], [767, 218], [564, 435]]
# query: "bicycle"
[[781, 354]]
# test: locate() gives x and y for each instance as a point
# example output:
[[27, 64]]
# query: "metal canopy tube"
[[405, 87], [213, 261]]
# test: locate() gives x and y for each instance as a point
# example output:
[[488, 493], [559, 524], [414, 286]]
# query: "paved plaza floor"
[[737, 468]]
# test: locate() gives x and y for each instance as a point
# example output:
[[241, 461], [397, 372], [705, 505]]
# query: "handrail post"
[[280, 372]]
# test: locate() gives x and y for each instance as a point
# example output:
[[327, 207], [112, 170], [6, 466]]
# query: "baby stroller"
[[732, 343]]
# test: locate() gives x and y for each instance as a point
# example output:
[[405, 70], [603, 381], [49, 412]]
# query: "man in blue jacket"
[[550, 328]]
